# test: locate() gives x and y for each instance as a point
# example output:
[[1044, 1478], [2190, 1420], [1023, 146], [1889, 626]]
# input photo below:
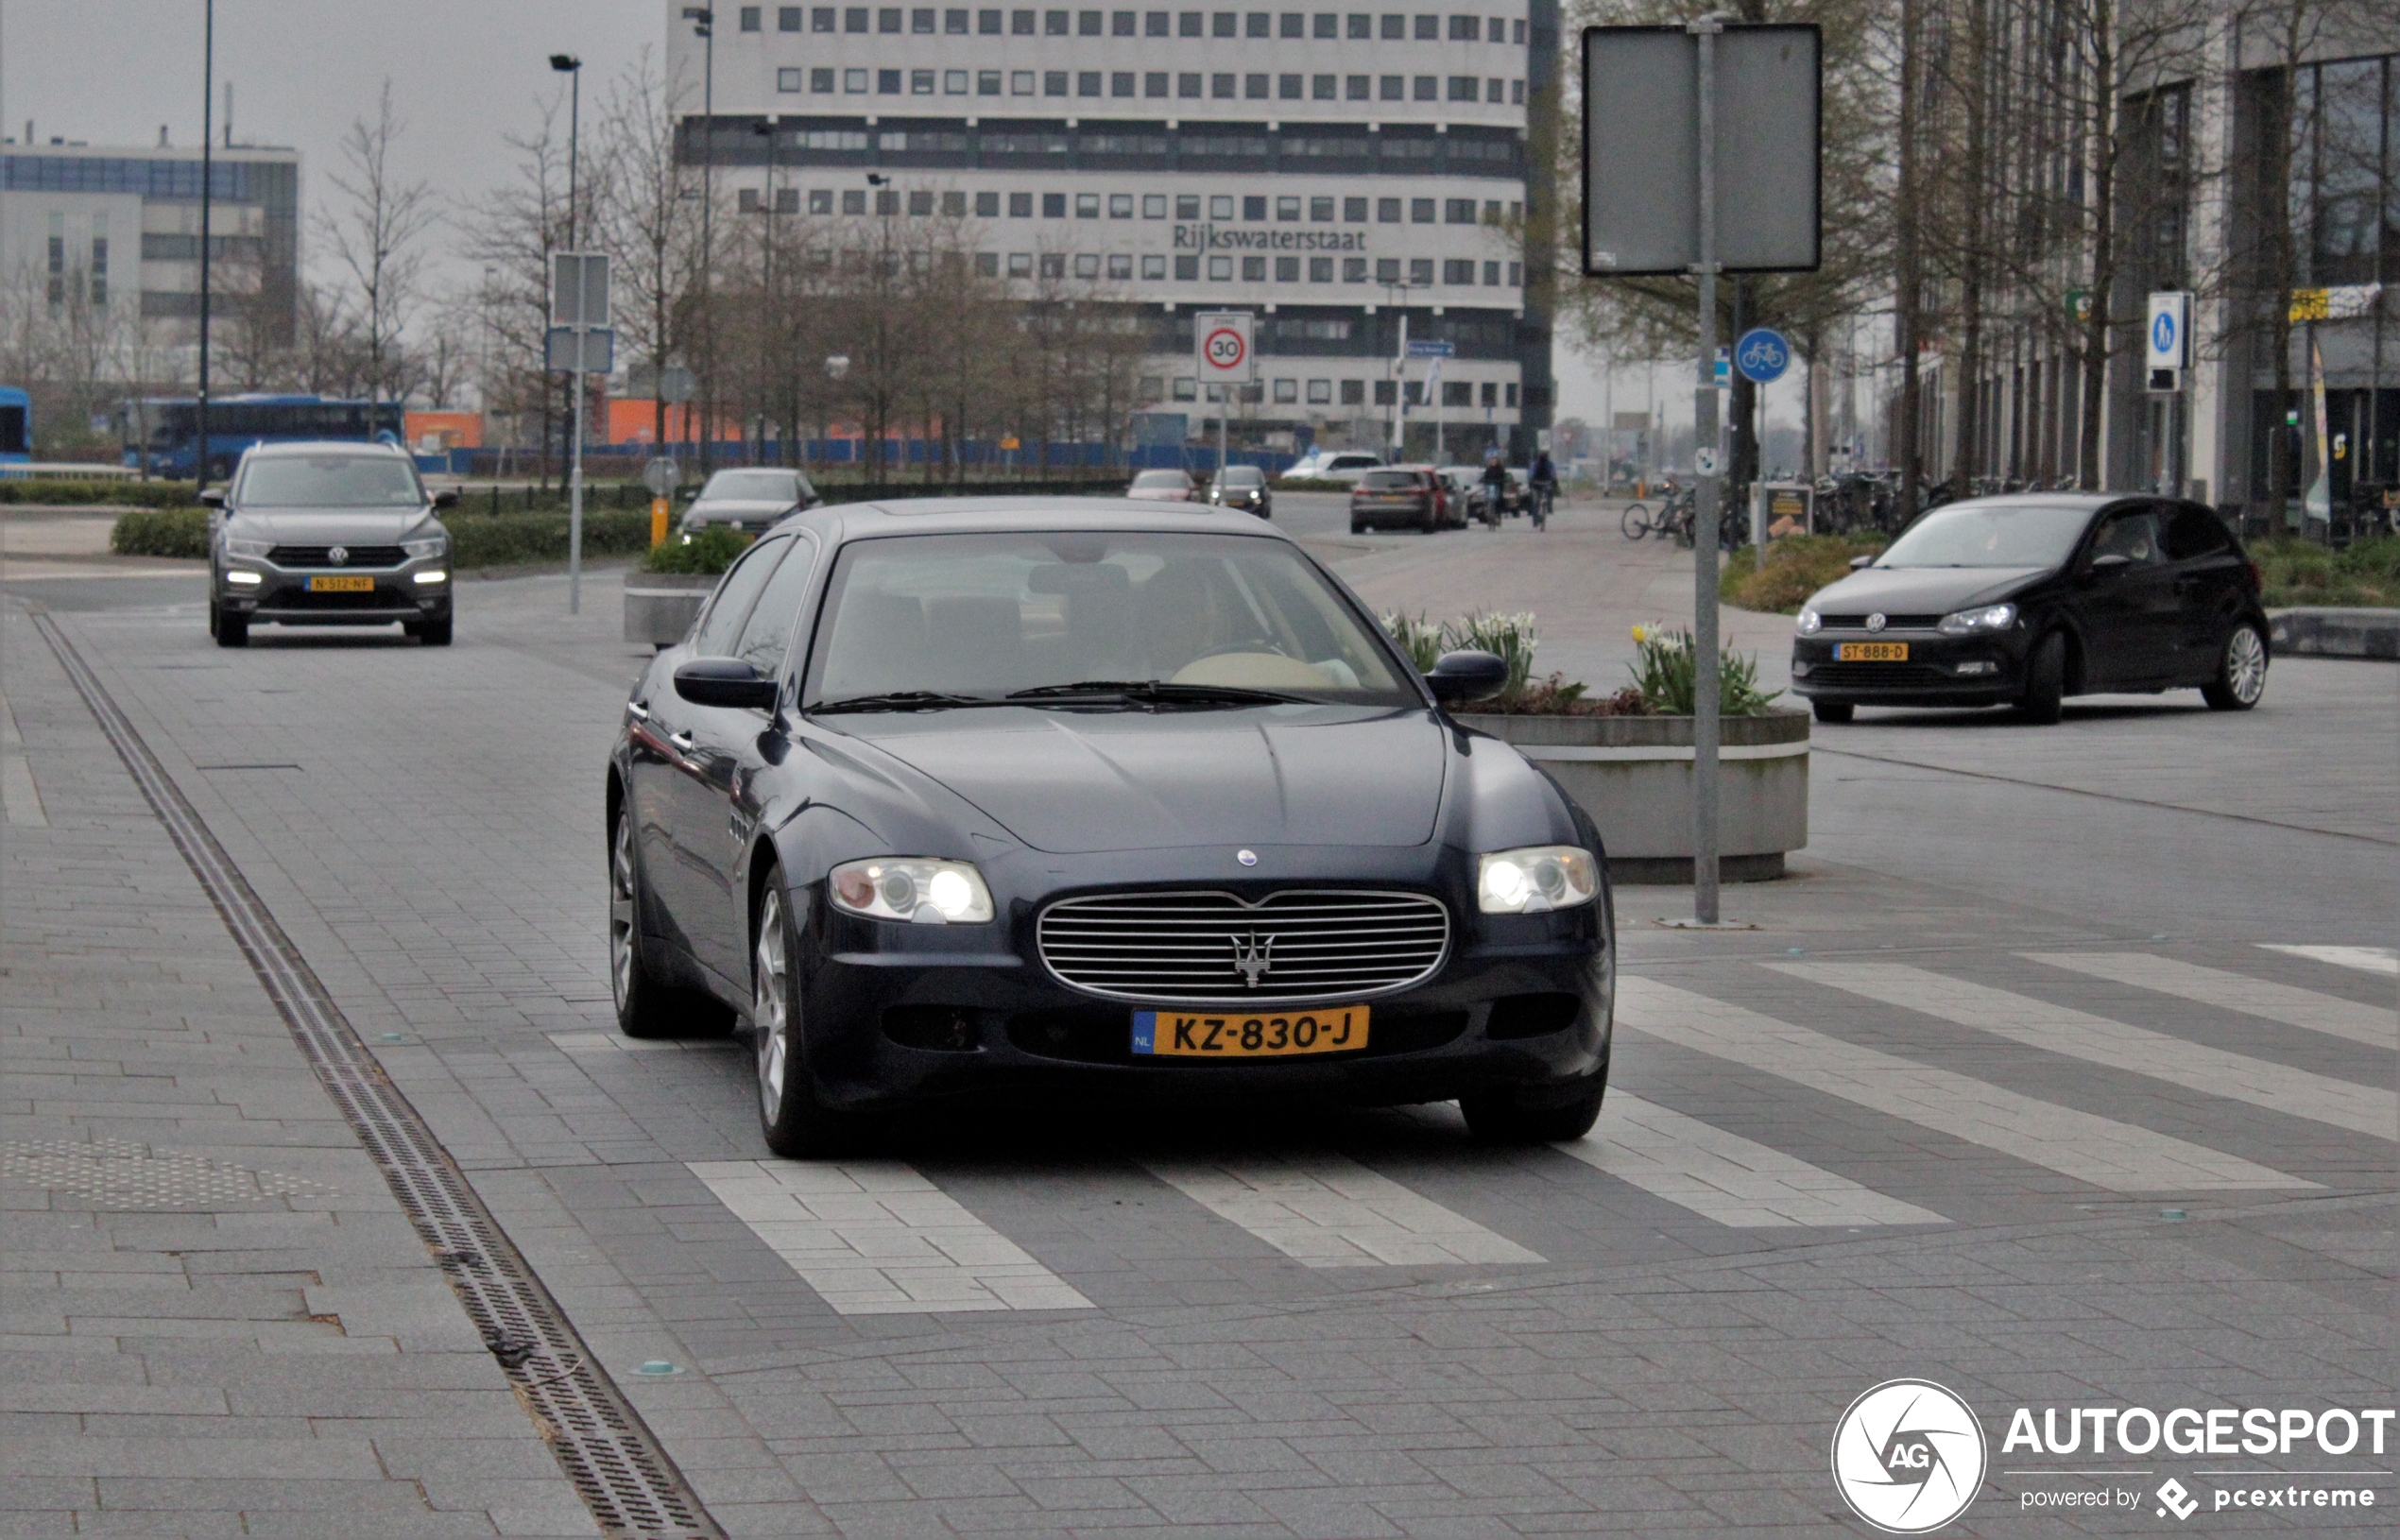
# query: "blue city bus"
[[16, 426], [160, 433]]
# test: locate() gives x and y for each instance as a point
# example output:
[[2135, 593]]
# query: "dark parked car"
[[981, 798], [330, 534], [750, 498], [2027, 600], [1242, 486], [1412, 496]]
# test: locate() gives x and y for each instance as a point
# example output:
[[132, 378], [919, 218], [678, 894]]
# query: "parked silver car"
[[750, 499], [328, 534]]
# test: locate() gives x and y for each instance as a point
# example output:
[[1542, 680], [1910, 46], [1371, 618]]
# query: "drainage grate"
[[600, 1441]]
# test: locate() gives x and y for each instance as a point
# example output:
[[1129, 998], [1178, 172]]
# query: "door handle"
[[635, 710], [683, 741]]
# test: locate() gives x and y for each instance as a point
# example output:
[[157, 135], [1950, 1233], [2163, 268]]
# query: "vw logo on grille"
[[340, 553], [1253, 959], [1875, 621]]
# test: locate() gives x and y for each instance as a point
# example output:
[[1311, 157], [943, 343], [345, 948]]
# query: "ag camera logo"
[[1908, 1456]]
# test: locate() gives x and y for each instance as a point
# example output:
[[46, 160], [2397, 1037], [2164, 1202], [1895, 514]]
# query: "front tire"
[[1504, 1117], [647, 1007], [2241, 672], [434, 633], [2045, 698], [231, 630], [798, 1124], [1836, 711], [1634, 521]]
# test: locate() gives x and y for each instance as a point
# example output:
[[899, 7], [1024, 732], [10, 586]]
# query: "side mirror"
[[1467, 676], [2111, 563], [213, 497], [1859, 564], [725, 682], [446, 497], [686, 494]]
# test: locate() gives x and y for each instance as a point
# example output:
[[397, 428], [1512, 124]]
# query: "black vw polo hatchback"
[[962, 799], [2024, 601]]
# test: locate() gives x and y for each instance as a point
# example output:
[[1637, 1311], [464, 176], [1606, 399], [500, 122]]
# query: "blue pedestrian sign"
[[1762, 354]]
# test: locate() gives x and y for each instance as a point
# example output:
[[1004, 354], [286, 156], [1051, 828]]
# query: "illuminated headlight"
[[252, 550], [432, 546], [433, 574], [1988, 617], [908, 888], [241, 577], [1536, 880], [1809, 623]]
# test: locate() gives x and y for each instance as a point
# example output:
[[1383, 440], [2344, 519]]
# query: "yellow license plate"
[[1226, 1034], [341, 585], [1871, 652]]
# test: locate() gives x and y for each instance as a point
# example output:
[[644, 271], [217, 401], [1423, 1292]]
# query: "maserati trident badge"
[[1252, 958], [1247, 858]]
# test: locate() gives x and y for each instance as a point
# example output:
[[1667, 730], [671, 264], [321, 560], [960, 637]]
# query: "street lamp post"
[[703, 20], [1399, 374], [572, 67], [208, 132]]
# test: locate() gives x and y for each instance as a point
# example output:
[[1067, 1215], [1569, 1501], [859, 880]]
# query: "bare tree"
[[378, 237], [646, 202], [511, 232]]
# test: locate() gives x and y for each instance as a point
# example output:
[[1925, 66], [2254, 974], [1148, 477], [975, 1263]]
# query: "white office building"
[[1329, 170]]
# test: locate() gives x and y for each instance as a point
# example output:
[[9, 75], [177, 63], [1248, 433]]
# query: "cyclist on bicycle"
[[1544, 480], [1495, 486]]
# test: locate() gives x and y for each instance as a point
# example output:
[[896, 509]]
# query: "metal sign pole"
[[1708, 451], [574, 484]]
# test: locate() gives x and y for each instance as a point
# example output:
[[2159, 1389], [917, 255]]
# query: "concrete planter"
[[660, 608], [2335, 633], [1633, 776]]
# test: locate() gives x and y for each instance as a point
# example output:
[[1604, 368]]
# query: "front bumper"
[[1982, 670], [902, 1015], [283, 595]]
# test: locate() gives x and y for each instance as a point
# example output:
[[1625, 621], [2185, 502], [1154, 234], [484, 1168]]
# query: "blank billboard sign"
[[1641, 137]]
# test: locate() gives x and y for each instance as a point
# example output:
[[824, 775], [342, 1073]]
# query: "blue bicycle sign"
[[1762, 354]]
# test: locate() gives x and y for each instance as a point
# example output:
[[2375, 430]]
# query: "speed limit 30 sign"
[[1220, 340]]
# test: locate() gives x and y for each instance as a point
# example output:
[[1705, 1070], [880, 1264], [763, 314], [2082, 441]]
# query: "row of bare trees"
[[2004, 181]]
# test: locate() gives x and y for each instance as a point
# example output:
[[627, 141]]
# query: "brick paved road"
[[1930, 1119]]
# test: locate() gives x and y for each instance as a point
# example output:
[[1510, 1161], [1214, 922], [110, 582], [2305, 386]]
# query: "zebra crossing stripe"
[[1323, 1209], [2365, 959], [2095, 1039], [2121, 1157], [2377, 1026], [1725, 1177], [875, 1238]]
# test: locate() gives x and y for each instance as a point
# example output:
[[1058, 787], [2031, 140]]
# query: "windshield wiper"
[[902, 700], [1155, 692]]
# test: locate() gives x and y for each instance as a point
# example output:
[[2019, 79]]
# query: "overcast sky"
[[463, 72]]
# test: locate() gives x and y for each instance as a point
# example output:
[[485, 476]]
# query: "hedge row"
[[509, 540], [135, 494]]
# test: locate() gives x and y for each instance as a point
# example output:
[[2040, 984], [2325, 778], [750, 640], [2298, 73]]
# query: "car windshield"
[[1242, 475], [1990, 535], [986, 616], [1151, 479], [1388, 481], [754, 486], [329, 481]]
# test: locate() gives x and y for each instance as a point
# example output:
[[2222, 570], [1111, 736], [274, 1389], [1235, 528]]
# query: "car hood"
[[1087, 782], [745, 508], [328, 526], [1921, 590]]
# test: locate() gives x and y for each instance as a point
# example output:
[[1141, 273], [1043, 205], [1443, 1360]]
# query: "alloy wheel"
[[768, 975], [621, 917], [2246, 665]]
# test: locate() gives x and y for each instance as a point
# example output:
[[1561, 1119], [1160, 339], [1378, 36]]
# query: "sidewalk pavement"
[[214, 1319]]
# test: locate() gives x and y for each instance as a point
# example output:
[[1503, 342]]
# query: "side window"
[[731, 605], [2193, 533], [768, 630], [2132, 535]]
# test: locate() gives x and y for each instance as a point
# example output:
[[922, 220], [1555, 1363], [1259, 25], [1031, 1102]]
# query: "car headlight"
[[1535, 880], [909, 888], [1809, 623], [251, 550], [433, 545], [1987, 618]]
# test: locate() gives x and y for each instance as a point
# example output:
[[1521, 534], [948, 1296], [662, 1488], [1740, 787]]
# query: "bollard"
[[657, 521]]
